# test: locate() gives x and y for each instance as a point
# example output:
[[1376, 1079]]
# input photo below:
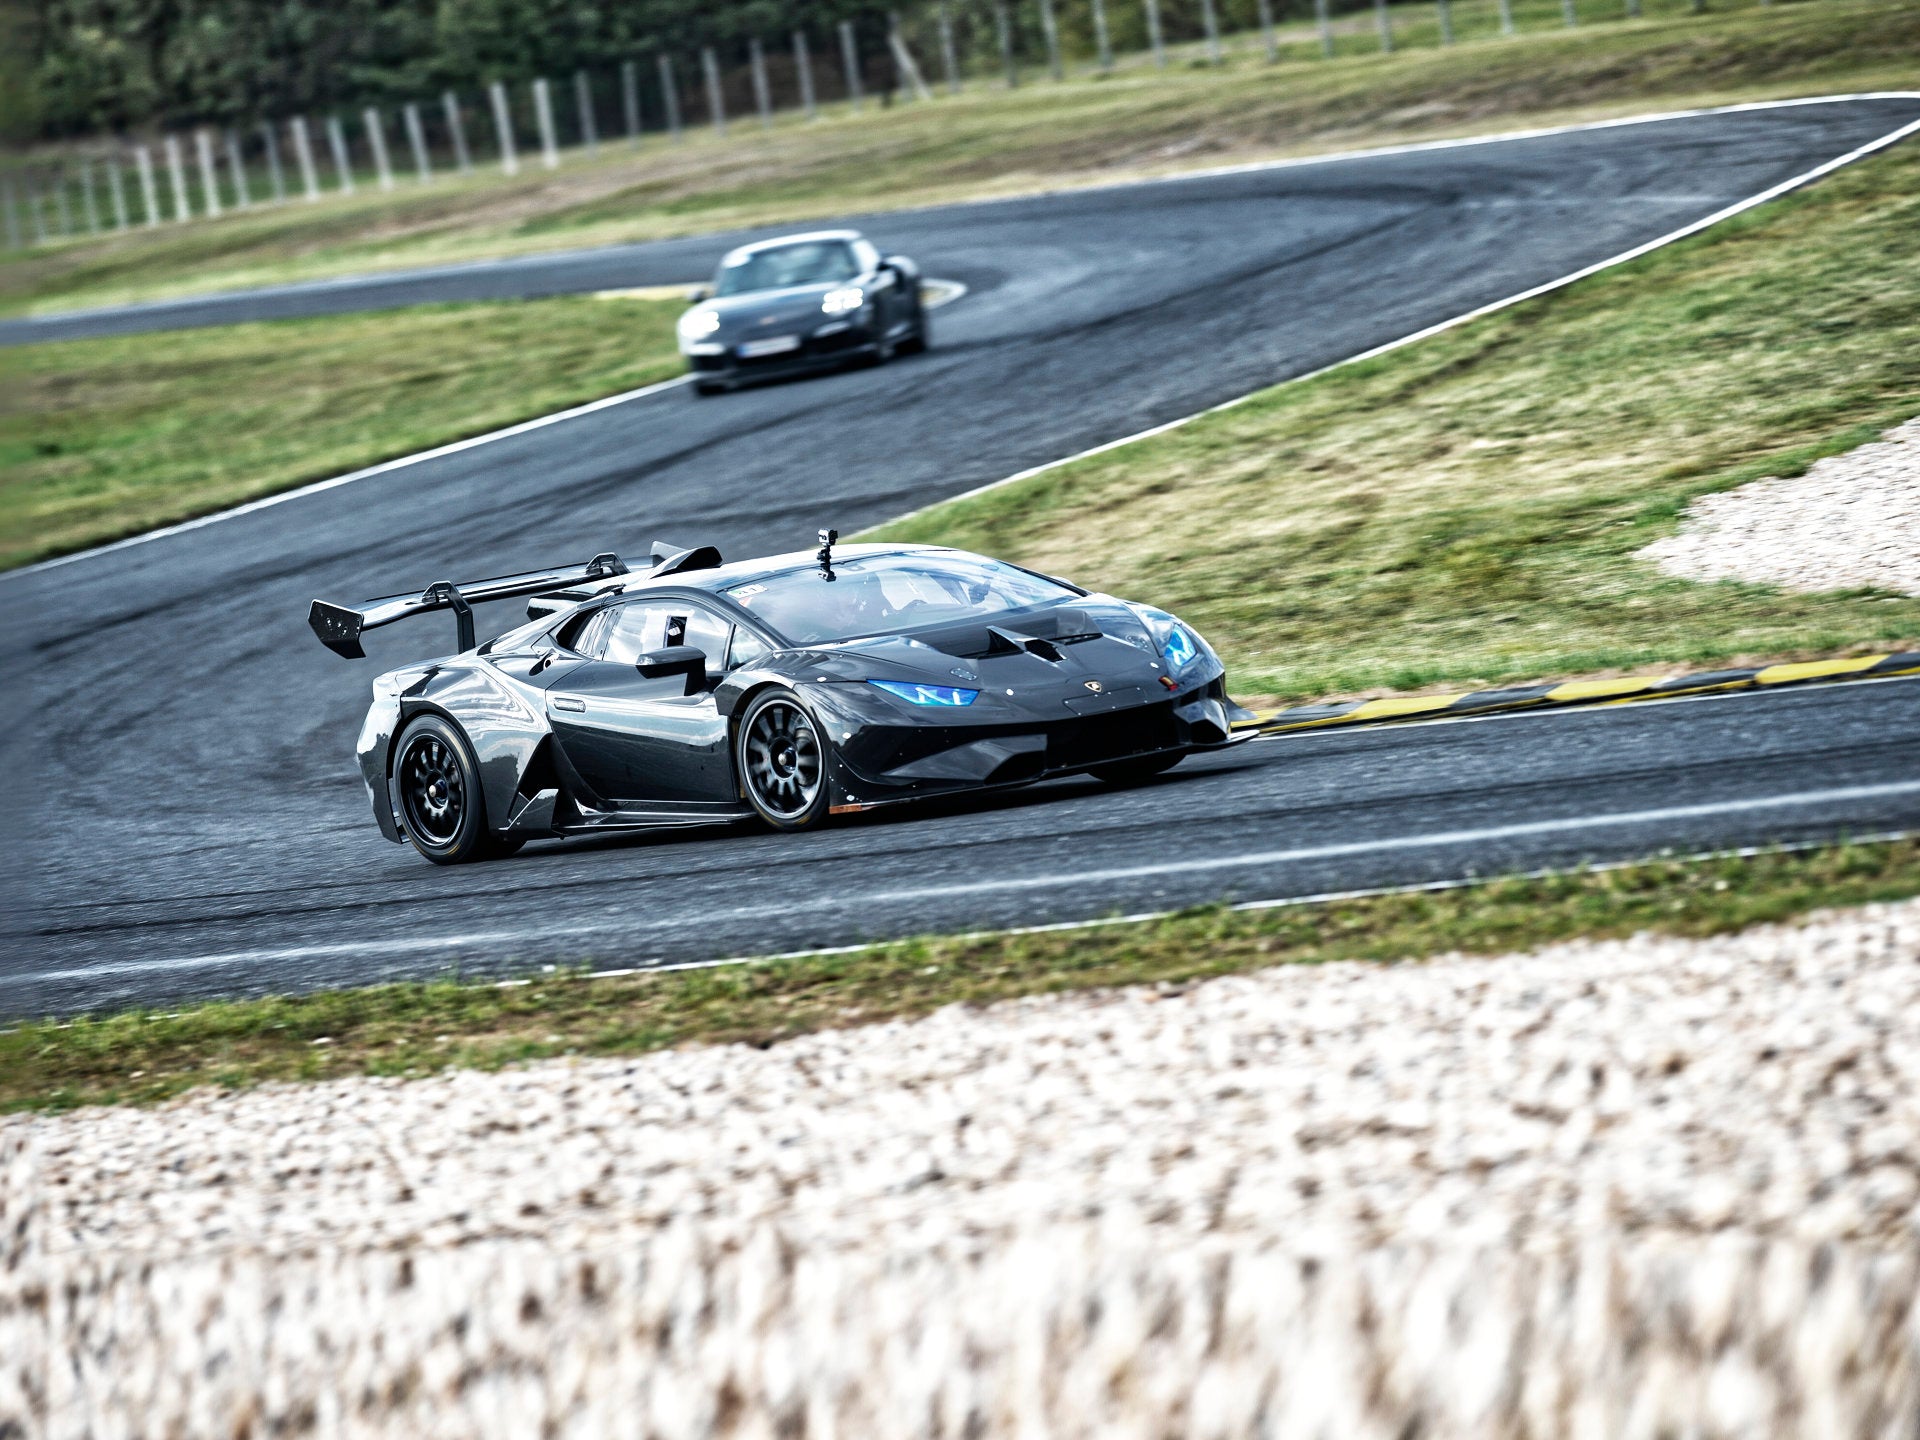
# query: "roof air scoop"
[[671, 559]]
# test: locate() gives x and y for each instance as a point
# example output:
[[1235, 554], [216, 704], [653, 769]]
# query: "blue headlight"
[[1179, 649], [927, 694]]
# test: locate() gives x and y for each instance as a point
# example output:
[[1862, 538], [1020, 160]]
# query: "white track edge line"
[[268, 500], [383, 468], [1773, 192], [1432, 839]]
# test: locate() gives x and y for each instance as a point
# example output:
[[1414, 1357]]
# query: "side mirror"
[[674, 660], [698, 293]]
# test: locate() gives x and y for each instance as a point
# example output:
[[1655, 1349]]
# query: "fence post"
[[1154, 37], [543, 118], [1050, 28], [276, 177], [377, 138], [36, 208], [672, 91], [242, 197], [913, 85], [1386, 26], [1325, 22], [1446, 22], [850, 57], [949, 62], [1266, 31], [177, 177], [87, 205], [417, 141], [149, 192], [13, 212], [457, 131], [803, 62], [1633, 9], [61, 206], [503, 128], [1567, 12], [342, 158], [1211, 18], [1506, 17], [583, 101], [762, 95], [716, 102], [303, 156], [1003, 25], [1102, 44], [117, 187], [630, 99], [209, 177]]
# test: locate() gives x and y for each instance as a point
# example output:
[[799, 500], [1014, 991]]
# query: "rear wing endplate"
[[339, 627]]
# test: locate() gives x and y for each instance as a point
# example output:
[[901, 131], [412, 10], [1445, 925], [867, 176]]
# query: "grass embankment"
[[988, 141], [103, 438], [1467, 510], [144, 1057]]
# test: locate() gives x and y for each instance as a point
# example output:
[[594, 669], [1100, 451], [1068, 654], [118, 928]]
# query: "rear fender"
[[504, 726]]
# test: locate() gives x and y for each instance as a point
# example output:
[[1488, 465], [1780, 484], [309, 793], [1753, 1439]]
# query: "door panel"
[[635, 739]]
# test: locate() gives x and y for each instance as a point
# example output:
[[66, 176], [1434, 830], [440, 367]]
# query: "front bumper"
[[877, 762], [816, 352]]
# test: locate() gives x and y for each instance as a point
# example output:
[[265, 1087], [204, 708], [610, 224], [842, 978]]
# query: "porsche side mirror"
[[674, 660], [697, 293]]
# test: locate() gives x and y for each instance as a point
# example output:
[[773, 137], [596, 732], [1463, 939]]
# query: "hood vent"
[[1040, 635]]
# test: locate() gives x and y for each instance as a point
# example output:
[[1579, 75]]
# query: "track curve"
[[186, 817]]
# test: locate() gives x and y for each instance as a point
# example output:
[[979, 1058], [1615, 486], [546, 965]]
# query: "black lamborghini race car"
[[802, 302], [792, 688]]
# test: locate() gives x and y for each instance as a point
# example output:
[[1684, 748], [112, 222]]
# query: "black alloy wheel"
[[782, 762], [437, 785]]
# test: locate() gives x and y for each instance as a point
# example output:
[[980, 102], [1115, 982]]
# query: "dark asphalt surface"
[[184, 804]]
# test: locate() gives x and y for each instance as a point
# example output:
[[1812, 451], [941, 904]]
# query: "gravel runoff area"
[[1850, 522], [1641, 1188]]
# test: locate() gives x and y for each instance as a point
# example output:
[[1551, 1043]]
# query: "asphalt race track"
[[187, 816]]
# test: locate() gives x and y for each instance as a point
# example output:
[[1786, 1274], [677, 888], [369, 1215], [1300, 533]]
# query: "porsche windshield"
[[879, 594], [812, 262]]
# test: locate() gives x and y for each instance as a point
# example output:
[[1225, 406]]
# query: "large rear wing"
[[340, 627]]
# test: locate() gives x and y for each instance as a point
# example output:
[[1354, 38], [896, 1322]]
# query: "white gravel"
[[1851, 521], [1608, 1190]]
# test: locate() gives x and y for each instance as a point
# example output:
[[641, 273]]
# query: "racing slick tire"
[[922, 337], [436, 783], [710, 387], [1136, 771], [780, 754]]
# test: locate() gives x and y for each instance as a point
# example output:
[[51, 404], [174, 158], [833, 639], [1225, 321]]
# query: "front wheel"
[[437, 783], [922, 337], [780, 755], [1134, 772]]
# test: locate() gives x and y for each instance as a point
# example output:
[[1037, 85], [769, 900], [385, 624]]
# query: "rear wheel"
[[1133, 772], [780, 754], [436, 783]]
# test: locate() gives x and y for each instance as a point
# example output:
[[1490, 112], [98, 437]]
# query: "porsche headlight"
[[845, 300], [698, 324]]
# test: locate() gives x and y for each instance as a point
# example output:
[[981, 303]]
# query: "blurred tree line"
[[86, 66]]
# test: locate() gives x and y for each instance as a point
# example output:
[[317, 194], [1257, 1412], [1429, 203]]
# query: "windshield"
[[877, 594], [812, 262]]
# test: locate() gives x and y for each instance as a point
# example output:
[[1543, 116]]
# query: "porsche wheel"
[[781, 757], [1133, 772], [437, 786]]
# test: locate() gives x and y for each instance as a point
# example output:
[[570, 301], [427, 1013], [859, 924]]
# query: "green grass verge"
[[104, 438], [989, 141], [1468, 510], [144, 1057]]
